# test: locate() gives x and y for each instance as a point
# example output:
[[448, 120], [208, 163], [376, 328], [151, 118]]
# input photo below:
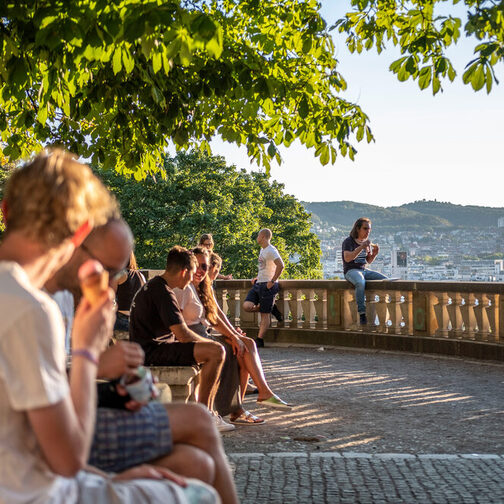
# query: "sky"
[[448, 147]]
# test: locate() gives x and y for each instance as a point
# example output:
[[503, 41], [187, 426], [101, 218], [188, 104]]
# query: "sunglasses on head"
[[114, 274]]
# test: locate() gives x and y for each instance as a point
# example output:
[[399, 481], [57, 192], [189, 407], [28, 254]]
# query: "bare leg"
[[248, 306], [211, 355], [265, 323], [190, 462], [192, 425], [252, 363], [244, 377]]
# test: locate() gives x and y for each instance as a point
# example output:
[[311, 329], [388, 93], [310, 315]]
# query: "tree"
[[423, 37], [117, 80], [202, 195]]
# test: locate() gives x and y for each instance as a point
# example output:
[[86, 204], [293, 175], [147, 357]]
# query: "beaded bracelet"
[[82, 352]]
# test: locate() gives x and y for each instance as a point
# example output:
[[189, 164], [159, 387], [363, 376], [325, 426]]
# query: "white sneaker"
[[221, 425]]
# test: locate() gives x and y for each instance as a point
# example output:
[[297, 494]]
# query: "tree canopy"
[[201, 194], [423, 37], [117, 80]]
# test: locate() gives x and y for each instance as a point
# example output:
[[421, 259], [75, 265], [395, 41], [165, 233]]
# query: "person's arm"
[[183, 334], [279, 264], [119, 359], [224, 277], [350, 255], [375, 250], [231, 336], [64, 430]]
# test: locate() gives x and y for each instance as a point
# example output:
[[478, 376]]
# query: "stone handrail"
[[471, 311]]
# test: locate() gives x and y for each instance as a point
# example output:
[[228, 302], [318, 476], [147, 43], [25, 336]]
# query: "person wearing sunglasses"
[[357, 253], [180, 437], [207, 241]]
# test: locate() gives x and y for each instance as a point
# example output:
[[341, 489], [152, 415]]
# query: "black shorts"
[[171, 354], [262, 296]]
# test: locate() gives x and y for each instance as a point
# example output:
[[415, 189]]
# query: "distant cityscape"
[[455, 255]]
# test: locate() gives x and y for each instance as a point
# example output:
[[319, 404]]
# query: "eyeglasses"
[[114, 274], [203, 266]]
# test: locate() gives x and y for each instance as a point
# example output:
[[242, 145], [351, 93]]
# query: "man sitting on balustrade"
[[358, 253]]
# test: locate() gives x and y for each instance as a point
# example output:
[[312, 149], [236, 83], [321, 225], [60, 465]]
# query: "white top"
[[191, 306], [65, 301], [267, 266], [32, 375]]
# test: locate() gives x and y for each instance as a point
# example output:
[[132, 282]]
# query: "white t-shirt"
[[267, 266], [191, 306], [32, 375]]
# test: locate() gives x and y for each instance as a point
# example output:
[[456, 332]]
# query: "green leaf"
[[489, 81], [271, 149], [128, 61], [424, 77], [324, 156], [478, 78], [303, 108], [116, 61], [156, 62], [42, 114]]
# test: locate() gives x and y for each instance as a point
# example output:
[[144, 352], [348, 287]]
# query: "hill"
[[419, 215]]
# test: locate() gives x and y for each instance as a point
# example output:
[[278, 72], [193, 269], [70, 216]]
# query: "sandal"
[[275, 402], [247, 418]]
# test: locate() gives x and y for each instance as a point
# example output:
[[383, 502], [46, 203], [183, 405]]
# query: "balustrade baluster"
[[442, 315], [407, 312], [455, 314], [493, 317], [288, 309], [480, 311], [468, 316], [382, 312], [304, 299], [320, 306], [297, 308], [371, 303], [349, 310], [395, 311]]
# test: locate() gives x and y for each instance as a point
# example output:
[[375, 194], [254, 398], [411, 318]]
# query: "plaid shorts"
[[124, 439]]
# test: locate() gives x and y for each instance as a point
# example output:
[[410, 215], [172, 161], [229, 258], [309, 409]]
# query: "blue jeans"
[[358, 277]]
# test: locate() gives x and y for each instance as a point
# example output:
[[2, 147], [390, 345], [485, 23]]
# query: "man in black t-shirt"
[[156, 323]]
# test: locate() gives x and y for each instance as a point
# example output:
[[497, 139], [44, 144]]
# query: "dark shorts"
[[171, 354], [262, 296], [124, 439]]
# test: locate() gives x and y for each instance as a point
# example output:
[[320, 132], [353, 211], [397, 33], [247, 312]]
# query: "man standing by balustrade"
[[261, 298]]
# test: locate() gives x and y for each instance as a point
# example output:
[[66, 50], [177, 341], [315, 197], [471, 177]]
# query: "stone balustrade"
[[454, 318], [321, 311]]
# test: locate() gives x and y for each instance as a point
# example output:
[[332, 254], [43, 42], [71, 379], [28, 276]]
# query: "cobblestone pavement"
[[279, 478], [373, 427]]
